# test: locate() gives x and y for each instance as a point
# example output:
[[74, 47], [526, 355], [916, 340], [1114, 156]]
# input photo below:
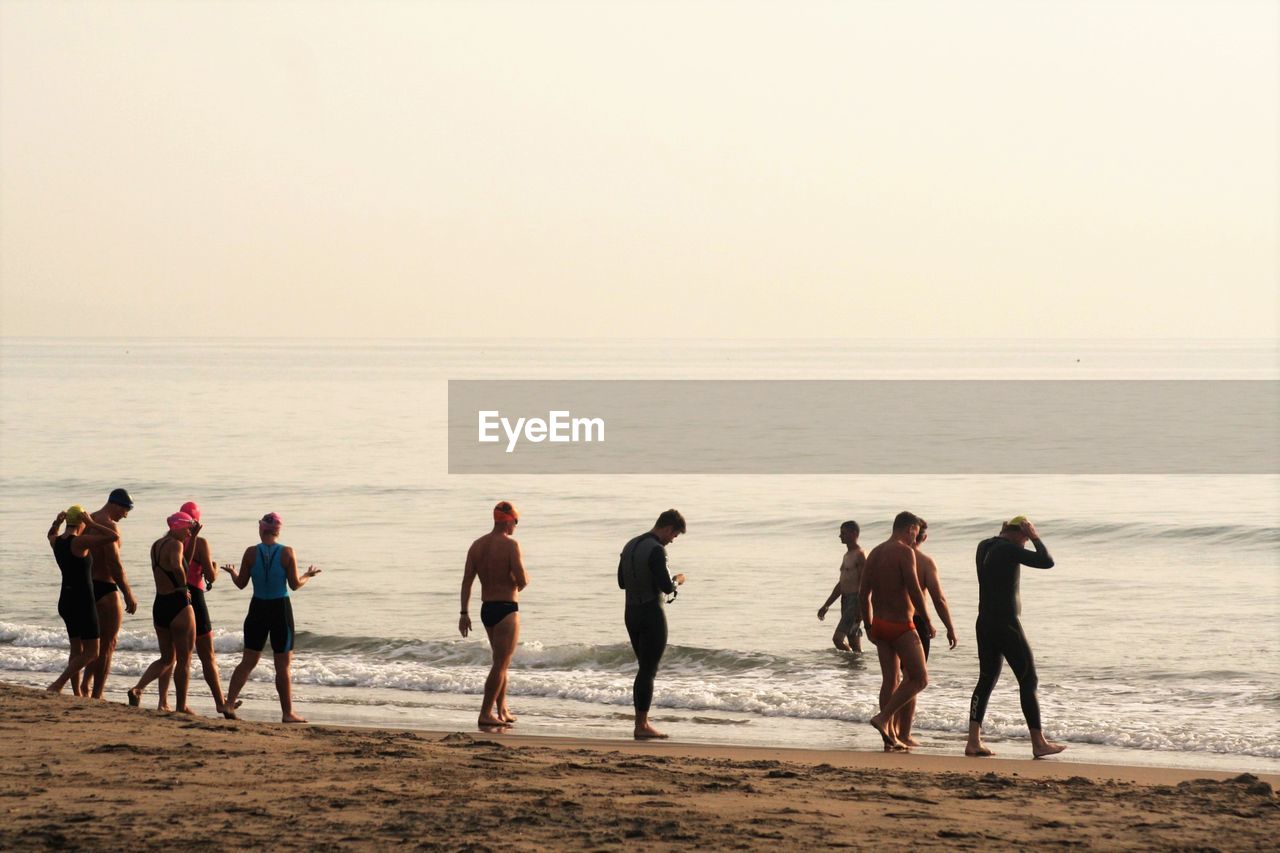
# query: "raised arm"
[[57, 526], [94, 534], [204, 559], [468, 578], [290, 564]]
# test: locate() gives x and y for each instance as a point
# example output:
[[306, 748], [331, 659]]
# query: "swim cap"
[[120, 497], [1017, 521], [270, 521], [190, 509], [504, 511], [180, 521], [75, 515]]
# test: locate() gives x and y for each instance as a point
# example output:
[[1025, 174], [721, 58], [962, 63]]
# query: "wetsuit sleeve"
[[658, 567], [1037, 559], [622, 561]]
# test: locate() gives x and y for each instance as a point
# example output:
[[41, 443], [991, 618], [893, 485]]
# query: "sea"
[[1155, 635]]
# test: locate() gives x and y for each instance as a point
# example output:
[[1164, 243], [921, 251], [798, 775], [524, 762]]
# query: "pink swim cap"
[[270, 521], [190, 509], [180, 521]]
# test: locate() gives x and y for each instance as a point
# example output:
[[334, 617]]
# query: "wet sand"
[[98, 775]]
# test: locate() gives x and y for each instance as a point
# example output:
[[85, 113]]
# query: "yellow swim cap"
[[75, 514], [1017, 521]]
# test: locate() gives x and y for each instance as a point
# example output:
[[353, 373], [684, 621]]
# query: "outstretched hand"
[[311, 572]]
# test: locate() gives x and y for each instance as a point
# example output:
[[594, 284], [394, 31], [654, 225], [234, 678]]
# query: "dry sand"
[[94, 775]]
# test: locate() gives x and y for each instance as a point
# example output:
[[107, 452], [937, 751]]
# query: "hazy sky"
[[616, 169]]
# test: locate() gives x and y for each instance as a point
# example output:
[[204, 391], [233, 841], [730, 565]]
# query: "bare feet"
[[891, 743], [163, 708], [648, 732], [978, 751], [507, 717], [222, 709], [230, 715], [910, 741], [292, 718], [490, 722], [135, 697], [1047, 748], [186, 709]]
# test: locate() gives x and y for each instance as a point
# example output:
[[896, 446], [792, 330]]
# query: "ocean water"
[[1155, 634]]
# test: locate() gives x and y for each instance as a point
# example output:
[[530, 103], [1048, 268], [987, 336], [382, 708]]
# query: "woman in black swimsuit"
[[75, 601], [174, 620]]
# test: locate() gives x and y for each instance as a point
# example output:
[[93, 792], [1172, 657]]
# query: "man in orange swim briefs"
[[890, 594]]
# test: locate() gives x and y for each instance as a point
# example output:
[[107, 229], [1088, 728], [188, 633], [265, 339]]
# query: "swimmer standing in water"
[[848, 635], [496, 560]]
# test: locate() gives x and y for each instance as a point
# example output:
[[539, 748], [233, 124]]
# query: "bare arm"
[[55, 527], [117, 575], [204, 557], [468, 578], [831, 599], [94, 534], [911, 580], [864, 598], [171, 562], [241, 578], [518, 572], [290, 563], [934, 585]]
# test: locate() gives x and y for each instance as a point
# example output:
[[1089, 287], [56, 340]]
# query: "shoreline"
[[101, 774]]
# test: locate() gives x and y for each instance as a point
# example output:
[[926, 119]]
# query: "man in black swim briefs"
[[496, 560], [108, 580], [999, 630]]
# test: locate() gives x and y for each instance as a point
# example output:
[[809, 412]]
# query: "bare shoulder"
[[925, 563]]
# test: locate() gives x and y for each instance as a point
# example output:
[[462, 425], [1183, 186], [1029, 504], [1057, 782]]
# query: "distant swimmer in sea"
[[109, 584], [201, 573], [75, 598], [999, 630], [890, 594], [643, 573], [495, 559], [927, 572], [848, 635], [273, 569], [171, 613]]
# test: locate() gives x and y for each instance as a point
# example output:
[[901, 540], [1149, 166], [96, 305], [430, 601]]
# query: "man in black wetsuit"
[[999, 631], [643, 573]]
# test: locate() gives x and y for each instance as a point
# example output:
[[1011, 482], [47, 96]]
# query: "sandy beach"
[[98, 775]]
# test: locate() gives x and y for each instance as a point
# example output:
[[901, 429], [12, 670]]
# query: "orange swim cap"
[[505, 511]]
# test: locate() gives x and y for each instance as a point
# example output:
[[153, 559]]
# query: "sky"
[[620, 170]]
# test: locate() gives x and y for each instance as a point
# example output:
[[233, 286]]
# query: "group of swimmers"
[[882, 591], [93, 581]]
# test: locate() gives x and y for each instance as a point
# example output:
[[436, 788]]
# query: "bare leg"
[[82, 654], [888, 683], [110, 613], [502, 640], [841, 641], [248, 660], [902, 723], [209, 664], [915, 678], [159, 665], [284, 687], [183, 629], [975, 748], [162, 687]]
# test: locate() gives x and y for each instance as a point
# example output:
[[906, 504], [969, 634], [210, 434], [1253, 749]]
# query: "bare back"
[[888, 574], [106, 555], [495, 559]]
